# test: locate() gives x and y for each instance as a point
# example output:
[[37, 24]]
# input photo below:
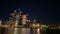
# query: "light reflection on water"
[[27, 31], [21, 31], [38, 31]]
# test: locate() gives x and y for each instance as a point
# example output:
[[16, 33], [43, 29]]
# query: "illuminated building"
[[20, 24], [20, 18], [35, 27]]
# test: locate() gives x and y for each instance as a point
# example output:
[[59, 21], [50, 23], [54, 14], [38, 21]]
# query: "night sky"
[[46, 11]]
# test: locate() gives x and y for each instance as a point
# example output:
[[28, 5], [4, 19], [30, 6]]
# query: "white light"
[[58, 26], [38, 31], [15, 31]]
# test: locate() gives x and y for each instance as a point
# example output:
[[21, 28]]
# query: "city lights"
[[20, 24]]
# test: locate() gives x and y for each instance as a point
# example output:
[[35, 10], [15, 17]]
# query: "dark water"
[[27, 31], [53, 31]]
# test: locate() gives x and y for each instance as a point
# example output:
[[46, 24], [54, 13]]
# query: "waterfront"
[[27, 31], [19, 23], [19, 31]]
